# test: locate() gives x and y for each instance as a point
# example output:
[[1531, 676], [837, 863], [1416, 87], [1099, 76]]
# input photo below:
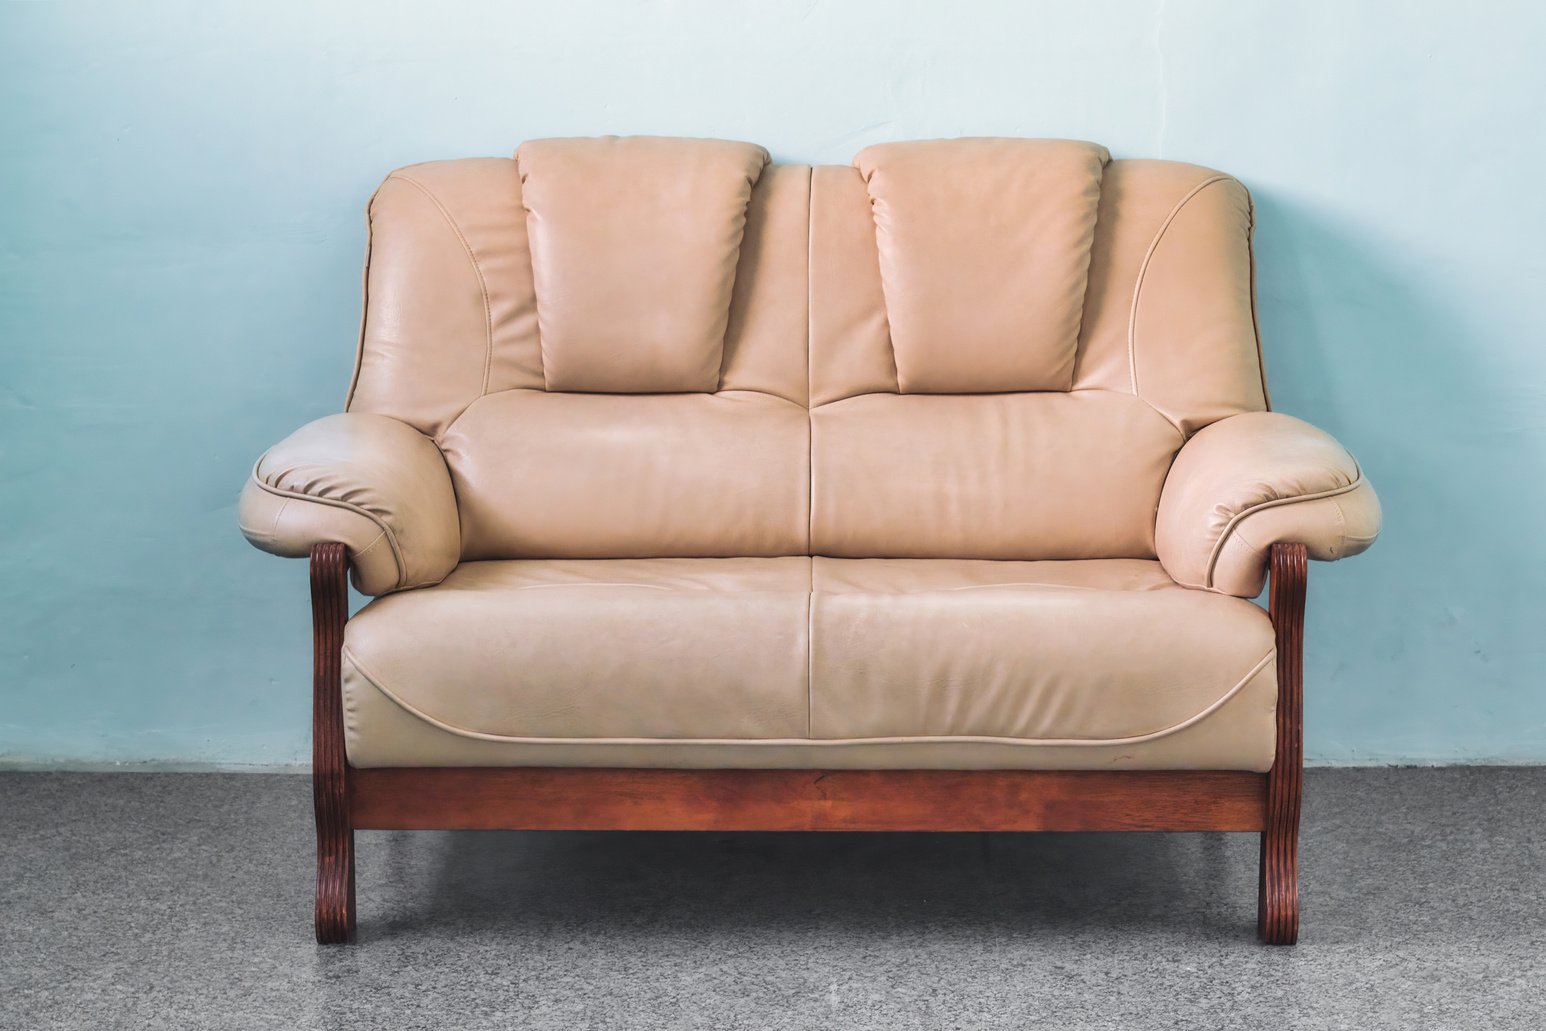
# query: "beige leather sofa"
[[699, 491]]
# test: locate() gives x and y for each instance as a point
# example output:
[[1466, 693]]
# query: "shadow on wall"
[[1426, 639]]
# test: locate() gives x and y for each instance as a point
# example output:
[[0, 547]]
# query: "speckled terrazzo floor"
[[183, 901]]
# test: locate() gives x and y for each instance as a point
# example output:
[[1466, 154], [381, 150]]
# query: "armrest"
[[376, 485], [1250, 481]]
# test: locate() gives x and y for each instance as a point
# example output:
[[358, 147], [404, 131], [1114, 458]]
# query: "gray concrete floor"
[[183, 901]]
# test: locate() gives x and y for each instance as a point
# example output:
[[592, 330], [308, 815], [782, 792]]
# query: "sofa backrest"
[[638, 347]]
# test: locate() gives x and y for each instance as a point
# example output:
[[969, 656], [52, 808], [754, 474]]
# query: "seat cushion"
[[809, 663], [622, 648], [1048, 652]]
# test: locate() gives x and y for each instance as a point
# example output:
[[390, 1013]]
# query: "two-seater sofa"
[[699, 492]]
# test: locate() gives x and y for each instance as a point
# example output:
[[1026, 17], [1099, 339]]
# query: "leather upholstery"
[[683, 662], [984, 254], [995, 476], [631, 476], [1169, 315], [450, 312], [951, 458], [1249, 482], [375, 484], [634, 246]]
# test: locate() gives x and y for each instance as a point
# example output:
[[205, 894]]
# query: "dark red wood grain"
[[808, 800], [329, 766], [1277, 908]]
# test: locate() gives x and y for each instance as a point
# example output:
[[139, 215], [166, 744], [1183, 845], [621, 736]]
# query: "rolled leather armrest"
[[1251, 481], [377, 485]]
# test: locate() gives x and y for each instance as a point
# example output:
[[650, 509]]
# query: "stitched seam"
[[360, 553], [810, 246], [810, 649], [397, 555], [735, 280], [539, 390], [1143, 271], [810, 347], [414, 587], [1107, 390], [273, 532], [921, 739], [1229, 528], [488, 313], [1173, 424], [1012, 393], [1089, 266], [880, 264], [1250, 251], [1249, 544], [359, 346]]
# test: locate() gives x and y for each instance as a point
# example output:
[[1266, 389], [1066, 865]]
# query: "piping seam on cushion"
[[982, 739], [1143, 271], [1229, 528], [1089, 266], [397, 555], [359, 346], [477, 269], [1250, 252]]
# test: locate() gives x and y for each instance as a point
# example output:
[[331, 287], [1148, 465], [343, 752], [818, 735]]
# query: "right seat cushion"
[[1054, 653]]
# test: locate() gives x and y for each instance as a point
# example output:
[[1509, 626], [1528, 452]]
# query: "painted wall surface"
[[181, 231]]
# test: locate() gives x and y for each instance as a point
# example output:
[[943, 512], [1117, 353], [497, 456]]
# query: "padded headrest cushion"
[[634, 244], [984, 254]]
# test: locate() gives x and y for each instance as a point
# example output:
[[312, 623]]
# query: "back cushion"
[[541, 474], [967, 348], [984, 249], [634, 246], [1060, 475]]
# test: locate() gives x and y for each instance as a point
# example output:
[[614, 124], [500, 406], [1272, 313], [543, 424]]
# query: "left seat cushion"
[[701, 649]]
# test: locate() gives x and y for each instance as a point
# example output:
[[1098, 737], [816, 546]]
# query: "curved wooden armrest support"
[[329, 764], [1277, 910]]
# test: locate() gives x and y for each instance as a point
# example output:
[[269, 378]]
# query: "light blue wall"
[[181, 194]]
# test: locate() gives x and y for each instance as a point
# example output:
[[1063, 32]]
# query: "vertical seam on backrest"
[[810, 335], [359, 346], [1143, 270], [488, 315], [1089, 269], [536, 307], [885, 307], [1250, 251], [735, 281]]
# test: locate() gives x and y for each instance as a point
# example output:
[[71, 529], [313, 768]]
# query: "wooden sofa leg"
[[329, 765], [1277, 905]]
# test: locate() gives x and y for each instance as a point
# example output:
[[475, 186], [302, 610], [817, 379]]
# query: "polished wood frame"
[[478, 798]]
